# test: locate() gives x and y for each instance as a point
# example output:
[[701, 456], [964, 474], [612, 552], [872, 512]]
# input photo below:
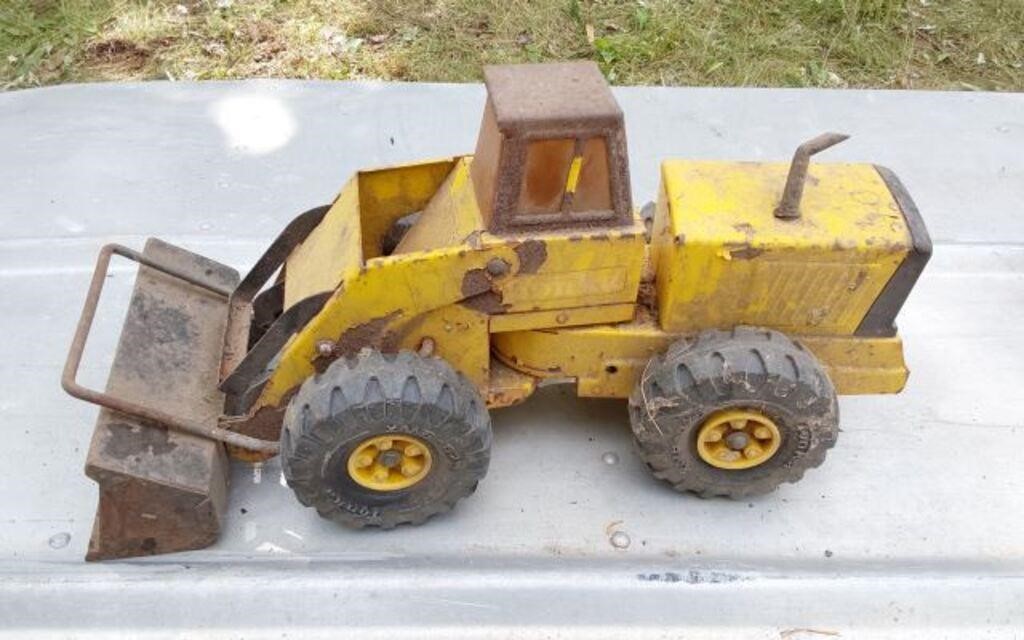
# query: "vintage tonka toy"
[[369, 342]]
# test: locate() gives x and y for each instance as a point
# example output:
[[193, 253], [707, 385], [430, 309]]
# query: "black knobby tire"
[[374, 394], [747, 368]]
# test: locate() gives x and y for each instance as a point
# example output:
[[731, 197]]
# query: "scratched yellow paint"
[[861, 365], [450, 216], [387, 194], [360, 217], [390, 292], [507, 322], [330, 252], [722, 258], [458, 334], [718, 255], [607, 360], [508, 386], [579, 268]]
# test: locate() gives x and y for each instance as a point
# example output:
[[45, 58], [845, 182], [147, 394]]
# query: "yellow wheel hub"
[[389, 462], [737, 439]]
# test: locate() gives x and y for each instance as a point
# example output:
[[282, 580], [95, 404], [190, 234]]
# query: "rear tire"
[[747, 371], [360, 400]]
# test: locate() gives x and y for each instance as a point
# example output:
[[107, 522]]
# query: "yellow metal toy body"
[[730, 312], [568, 305]]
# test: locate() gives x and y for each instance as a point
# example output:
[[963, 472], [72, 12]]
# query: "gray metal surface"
[[913, 527]]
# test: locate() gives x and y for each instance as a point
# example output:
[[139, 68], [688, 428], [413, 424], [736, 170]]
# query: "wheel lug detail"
[[389, 458], [737, 440], [389, 462], [410, 468]]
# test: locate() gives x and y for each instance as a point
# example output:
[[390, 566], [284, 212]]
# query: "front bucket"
[[163, 490]]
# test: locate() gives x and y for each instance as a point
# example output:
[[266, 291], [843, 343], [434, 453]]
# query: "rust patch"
[[137, 517], [476, 285], [475, 282], [162, 329], [368, 334], [392, 340], [577, 103], [264, 423], [532, 255], [647, 295], [127, 440], [789, 206], [488, 302], [159, 491], [744, 252], [745, 228], [869, 220], [474, 239], [501, 399], [862, 275]]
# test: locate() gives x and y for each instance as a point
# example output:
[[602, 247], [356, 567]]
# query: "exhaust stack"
[[789, 206]]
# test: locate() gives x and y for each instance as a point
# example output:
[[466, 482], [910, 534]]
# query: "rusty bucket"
[[160, 489]]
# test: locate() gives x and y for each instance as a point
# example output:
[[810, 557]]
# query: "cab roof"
[[555, 97]]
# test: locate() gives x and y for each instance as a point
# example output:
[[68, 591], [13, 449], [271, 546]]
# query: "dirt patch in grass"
[[930, 44], [118, 54]]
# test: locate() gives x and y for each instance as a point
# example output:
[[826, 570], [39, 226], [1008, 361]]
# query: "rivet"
[[325, 348], [497, 267], [610, 457], [562, 318]]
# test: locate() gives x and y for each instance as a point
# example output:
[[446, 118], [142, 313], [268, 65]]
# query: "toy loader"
[[369, 342]]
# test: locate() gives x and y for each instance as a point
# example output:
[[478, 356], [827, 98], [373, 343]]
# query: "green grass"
[[933, 44]]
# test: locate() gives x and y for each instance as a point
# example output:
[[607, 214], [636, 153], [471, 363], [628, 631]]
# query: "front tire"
[[383, 440], [734, 413]]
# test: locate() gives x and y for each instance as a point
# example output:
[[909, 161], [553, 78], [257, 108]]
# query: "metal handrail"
[[71, 386]]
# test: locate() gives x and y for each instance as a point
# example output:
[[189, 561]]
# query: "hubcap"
[[737, 439], [389, 462]]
